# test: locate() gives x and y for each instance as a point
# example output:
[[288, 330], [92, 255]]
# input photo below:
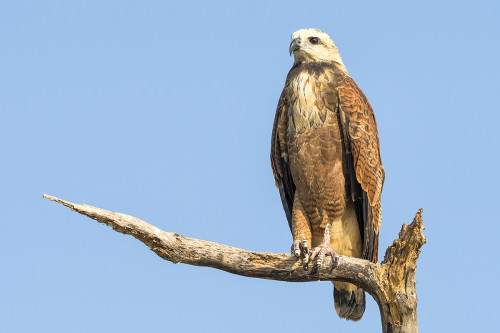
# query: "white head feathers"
[[313, 45]]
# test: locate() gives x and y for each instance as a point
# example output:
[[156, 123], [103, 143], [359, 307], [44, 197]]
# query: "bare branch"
[[391, 283]]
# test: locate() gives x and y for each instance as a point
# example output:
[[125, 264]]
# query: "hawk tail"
[[349, 301]]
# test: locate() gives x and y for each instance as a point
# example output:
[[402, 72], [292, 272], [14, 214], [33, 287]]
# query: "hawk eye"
[[314, 40]]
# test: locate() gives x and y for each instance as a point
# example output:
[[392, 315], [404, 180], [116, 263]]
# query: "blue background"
[[163, 110]]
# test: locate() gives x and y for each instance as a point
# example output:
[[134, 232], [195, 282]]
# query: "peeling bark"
[[391, 282]]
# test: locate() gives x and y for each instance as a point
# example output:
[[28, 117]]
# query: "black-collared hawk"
[[326, 161]]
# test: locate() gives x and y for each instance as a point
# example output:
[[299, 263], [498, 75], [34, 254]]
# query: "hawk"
[[326, 162]]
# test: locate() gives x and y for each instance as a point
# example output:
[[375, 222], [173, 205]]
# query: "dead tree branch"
[[391, 283]]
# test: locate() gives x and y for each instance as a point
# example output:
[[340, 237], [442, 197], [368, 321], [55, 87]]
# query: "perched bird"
[[326, 161]]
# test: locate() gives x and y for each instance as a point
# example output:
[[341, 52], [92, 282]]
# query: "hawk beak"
[[294, 45]]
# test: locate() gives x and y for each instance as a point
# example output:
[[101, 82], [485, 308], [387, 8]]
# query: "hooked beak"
[[294, 45]]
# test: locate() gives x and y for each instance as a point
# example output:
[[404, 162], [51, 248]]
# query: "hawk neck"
[[315, 68]]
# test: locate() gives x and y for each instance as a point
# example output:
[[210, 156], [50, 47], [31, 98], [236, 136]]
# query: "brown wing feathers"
[[281, 168], [361, 136]]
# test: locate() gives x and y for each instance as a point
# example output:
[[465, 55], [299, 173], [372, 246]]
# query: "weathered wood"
[[391, 283]]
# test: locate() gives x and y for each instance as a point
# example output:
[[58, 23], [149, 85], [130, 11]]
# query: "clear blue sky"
[[163, 110]]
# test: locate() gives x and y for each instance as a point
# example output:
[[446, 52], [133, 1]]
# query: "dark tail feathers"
[[349, 304]]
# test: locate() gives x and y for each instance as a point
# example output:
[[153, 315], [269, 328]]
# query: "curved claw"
[[296, 248]]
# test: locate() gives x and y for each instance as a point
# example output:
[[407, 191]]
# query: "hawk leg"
[[324, 249], [301, 231]]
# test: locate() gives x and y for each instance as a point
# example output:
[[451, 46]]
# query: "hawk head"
[[313, 45]]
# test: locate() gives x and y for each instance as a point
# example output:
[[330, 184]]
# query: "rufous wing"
[[362, 143], [279, 160]]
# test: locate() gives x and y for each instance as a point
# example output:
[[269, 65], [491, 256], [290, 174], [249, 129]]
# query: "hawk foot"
[[300, 249], [324, 249], [318, 255]]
